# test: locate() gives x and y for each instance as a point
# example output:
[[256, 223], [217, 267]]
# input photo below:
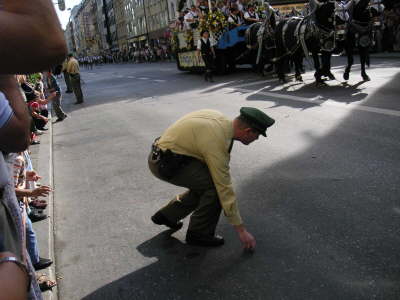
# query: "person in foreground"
[[194, 153]]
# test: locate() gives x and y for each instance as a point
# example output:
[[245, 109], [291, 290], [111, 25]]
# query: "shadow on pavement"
[[326, 220], [179, 272]]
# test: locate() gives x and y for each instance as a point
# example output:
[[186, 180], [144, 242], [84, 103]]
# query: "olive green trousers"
[[201, 199]]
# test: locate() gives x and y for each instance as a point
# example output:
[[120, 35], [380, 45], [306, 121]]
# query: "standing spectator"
[[74, 74], [52, 86], [66, 76]]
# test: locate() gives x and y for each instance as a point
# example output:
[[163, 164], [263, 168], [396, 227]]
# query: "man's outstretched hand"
[[248, 241]]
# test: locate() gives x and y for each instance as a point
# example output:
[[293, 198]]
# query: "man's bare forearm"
[[25, 25]]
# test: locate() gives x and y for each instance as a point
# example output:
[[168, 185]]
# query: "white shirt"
[[212, 42], [247, 15], [232, 20], [190, 15]]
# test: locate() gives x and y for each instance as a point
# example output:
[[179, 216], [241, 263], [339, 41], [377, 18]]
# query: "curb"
[[51, 228], [43, 163]]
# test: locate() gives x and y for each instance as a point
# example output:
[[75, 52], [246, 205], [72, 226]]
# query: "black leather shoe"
[[198, 239], [36, 217], [61, 119], [43, 263], [160, 219]]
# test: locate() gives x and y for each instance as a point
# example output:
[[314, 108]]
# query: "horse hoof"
[[282, 80], [366, 77], [321, 84], [299, 78], [331, 76], [346, 76]]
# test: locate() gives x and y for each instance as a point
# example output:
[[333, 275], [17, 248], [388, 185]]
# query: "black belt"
[[169, 163]]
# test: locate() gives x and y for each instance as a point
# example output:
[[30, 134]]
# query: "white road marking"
[[143, 78], [384, 111], [132, 77], [159, 80]]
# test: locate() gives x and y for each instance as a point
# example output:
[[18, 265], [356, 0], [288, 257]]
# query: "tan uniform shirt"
[[64, 66], [73, 66], [207, 135]]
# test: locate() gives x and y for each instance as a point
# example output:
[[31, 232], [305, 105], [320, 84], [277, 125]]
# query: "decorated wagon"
[[230, 46]]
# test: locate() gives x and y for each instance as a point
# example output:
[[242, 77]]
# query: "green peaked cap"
[[257, 119]]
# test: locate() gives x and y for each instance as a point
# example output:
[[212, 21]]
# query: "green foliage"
[[33, 78]]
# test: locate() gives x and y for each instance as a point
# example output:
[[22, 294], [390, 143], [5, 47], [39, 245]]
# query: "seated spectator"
[[39, 120], [17, 167]]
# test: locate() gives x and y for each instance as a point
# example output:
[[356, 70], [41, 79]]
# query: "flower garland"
[[214, 21]]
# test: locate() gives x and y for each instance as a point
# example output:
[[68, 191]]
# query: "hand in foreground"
[[248, 241], [41, 191], [32, 176]]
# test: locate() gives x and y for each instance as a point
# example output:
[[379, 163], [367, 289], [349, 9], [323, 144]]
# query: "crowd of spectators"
[[24, 116], [138, 54]]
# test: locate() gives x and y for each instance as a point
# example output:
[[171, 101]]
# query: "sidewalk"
[[389, 55], [43, 163]]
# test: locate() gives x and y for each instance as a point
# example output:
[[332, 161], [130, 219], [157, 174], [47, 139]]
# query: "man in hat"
[[194, 153], [75, 77]]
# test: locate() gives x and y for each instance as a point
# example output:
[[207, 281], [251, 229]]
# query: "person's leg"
[[180, 206], [44, 112], [76, 87], [39, 123], [79, 89], [196, 177], [56, 104], [31, 242], [205, 218], [67, 82]]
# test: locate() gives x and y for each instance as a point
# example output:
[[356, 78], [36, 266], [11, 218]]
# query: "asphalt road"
[[321, 193]]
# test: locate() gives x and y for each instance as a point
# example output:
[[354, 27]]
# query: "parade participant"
[[234, 19], [205, 47], [250, 16], [192, 18], [203, 7], [194, 153], [74, 74], [222, 8]]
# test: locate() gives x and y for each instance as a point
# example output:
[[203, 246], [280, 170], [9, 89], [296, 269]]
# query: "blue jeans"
[[31, 242]]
